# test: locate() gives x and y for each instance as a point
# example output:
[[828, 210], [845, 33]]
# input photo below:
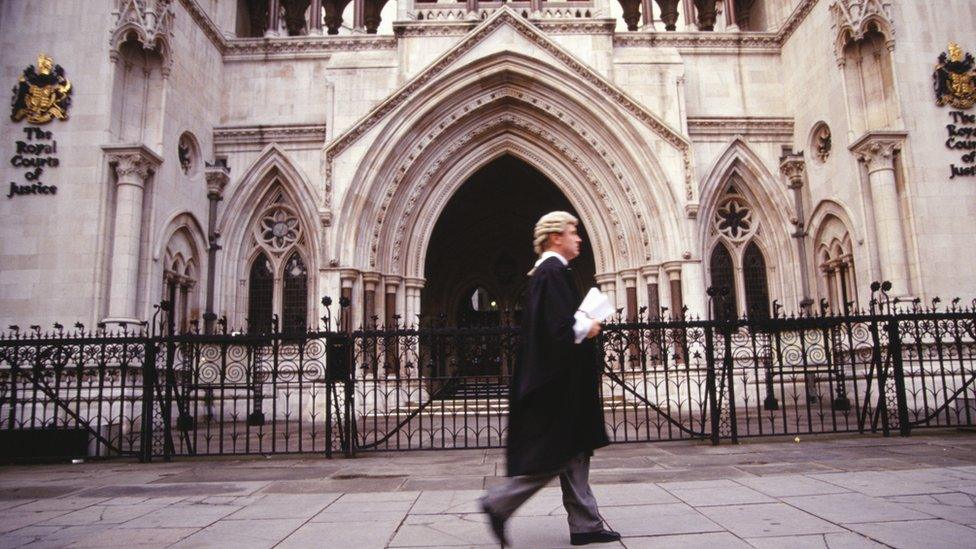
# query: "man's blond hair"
[[551, 223]]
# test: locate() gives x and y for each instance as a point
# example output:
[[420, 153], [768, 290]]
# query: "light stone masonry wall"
[[49, 243], [732, 100]]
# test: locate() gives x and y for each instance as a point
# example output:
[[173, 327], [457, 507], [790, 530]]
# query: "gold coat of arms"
[[955, 79], [41, 93]]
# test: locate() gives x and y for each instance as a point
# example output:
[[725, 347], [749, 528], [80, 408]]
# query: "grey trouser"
[[574, 478]]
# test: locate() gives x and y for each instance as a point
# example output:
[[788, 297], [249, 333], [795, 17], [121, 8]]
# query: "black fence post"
[[728, 376], [350, 392], [710, 386], [148, 376], [898, 369], [881, 412]]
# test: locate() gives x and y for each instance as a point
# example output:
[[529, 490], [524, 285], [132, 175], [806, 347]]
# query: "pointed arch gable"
[[760, 187], [271, 171], [181, 220], [830, 208], [767, 196], [273, 162]]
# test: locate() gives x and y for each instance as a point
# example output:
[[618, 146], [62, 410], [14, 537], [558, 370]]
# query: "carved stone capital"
[[650, 272], [415, 283], [605, 278], [877, 149], [793, 167], [672, 269], [392, 283], [218, 175], [132, 163], [348, 277]]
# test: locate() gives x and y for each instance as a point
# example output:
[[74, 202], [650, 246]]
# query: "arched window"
[[723, 281], [736, 265], [838, 278], [754, 280], [180, 276], [260, 295], [295, 299], [278, 278]]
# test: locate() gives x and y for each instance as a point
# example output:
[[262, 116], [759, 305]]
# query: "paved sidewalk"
[[850, 491]]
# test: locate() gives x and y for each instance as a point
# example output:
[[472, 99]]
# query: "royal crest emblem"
[[955, 79], [41, 93]]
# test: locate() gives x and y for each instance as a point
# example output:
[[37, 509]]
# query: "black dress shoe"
[[497, 525], [600, 536]]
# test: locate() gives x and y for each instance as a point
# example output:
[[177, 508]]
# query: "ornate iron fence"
[[145, 395]]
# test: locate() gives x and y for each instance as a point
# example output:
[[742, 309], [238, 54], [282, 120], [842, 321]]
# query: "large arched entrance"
[[481, 246]]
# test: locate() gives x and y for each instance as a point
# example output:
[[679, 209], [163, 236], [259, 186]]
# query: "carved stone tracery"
[[851, 19], [150, 23]]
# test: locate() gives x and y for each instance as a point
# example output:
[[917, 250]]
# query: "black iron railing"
[[149, 395]]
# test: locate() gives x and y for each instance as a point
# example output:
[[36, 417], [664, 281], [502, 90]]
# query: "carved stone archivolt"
[[606, 178]]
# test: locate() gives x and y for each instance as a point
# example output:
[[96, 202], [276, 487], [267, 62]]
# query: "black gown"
[[555, 411]]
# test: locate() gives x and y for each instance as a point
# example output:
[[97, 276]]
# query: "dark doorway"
[[481, 247]]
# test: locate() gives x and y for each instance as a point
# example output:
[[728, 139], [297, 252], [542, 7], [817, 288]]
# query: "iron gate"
[[436, 387]]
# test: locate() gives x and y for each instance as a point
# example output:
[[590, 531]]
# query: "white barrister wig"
[[551, 223]]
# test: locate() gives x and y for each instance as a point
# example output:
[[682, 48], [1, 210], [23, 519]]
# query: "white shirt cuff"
[[582, 326]]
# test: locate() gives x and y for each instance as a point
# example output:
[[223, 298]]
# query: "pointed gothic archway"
[[619, 166], [481, 245]]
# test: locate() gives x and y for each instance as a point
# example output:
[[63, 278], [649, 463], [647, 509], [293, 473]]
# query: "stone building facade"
[[244, 158]]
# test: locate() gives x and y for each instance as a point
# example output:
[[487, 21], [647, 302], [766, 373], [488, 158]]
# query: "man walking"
[[555, 414]]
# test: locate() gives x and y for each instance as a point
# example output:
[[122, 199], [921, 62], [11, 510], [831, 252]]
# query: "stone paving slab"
[[920, 534], [825, 492], [853, 508]]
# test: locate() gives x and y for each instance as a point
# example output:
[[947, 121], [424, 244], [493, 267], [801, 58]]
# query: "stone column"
[[608, 285], [673, 271], [647, 15], [731, 18], [315, 25], [274, 18], [359, 16], [413, 288], [132, 164], [535, 8], [688, 10], [347, 279], [392, 284], [793, 168], [370, 282], [876, 150], [653, 294], [218, 175], [629, 277]]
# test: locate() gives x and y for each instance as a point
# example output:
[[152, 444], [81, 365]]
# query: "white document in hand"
[[596, 305]]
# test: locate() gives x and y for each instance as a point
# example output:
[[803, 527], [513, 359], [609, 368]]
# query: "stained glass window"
[[757, 287], [260, 291], [295, 295], [723, 283]]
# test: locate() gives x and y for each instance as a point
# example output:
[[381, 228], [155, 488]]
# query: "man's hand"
[[594, 329]]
